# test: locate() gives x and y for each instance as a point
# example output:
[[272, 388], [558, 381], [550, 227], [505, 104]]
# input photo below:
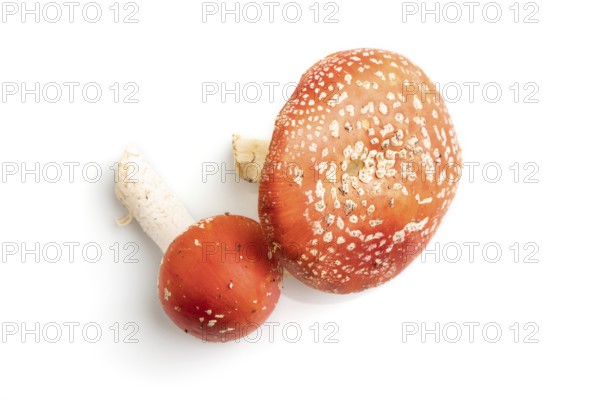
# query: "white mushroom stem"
[[249, 156], [149, 200]]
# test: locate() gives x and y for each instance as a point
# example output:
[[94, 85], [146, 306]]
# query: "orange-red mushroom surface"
[[362, 166], [218, 280]]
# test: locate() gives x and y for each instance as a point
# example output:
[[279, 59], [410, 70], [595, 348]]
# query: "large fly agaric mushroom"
[[361, 168], [217, 280]]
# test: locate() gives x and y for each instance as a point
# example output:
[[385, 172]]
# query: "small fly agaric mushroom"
[[362, 166], [217, 280]]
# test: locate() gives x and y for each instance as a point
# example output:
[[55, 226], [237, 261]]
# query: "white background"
[[169, 54]]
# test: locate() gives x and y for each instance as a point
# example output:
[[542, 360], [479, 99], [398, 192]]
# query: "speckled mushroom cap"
[[362, 166], [217, 280]]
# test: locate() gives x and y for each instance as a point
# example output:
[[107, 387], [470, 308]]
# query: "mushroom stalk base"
[[249, 155], [149, 200]]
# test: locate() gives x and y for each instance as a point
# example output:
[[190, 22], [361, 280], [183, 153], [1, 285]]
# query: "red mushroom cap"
[[362, 166], [218, 280]]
